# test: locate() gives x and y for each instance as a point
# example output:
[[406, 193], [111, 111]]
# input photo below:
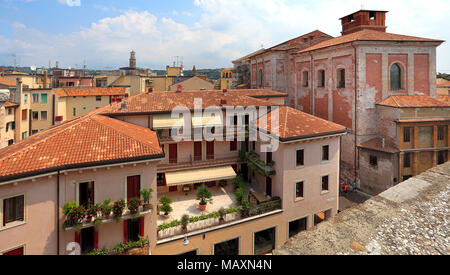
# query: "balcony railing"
[[257, 165], [235, 215]]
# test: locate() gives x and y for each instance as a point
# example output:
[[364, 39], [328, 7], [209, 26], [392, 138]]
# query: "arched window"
[[261, 81], [396, 77]]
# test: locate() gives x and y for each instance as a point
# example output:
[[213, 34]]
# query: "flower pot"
[[202, 207], [183, 231], [221, 221], [146, 207]]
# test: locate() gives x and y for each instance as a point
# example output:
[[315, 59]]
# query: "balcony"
[[253, 161], [169, 228]]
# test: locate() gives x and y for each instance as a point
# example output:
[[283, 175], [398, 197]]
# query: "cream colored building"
[[50, 107], [193, 83]]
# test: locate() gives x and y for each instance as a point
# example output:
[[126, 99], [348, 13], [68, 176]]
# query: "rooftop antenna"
[[15, 60]]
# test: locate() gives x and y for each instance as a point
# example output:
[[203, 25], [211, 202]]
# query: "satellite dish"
[[33, 68]]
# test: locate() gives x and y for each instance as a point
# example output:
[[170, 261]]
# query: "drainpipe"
[[57, 213], [313, 107], [356, 116]]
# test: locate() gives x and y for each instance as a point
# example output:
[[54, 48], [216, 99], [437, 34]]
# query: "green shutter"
[[44, 98]]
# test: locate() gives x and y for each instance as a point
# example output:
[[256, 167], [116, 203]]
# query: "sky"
[[204, 33]]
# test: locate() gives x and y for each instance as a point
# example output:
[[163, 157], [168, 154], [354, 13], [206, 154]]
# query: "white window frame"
[[126, 182], [15, 223], [299, 199], [270, 227], [239, 245], [329, 153], [322, 192], [304, 159], [307, 217], [77, 190]]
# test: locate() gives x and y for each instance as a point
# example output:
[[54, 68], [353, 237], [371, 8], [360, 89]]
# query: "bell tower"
[[132, 60], [364, 20]]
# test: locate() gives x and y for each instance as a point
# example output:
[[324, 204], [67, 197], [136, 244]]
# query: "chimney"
[[150, 90], [179, 88], [46, 86], [364, 20], [19, 91], [223, 102], [224, 91]]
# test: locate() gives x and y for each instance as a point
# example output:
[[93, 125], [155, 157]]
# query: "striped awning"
[[207, 121], [166, 122], [200, 175]]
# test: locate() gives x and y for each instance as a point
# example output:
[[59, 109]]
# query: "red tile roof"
[[412, 101], [94, 91], [10, 104], [295, 124], [82, 142], [366, 35], [444, 98], [377, 145], [165, 102], [7, 82], [442, 82]]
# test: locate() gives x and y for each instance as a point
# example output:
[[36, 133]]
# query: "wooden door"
[[210, 150], [197, 151], [133, 187], [173, 153]]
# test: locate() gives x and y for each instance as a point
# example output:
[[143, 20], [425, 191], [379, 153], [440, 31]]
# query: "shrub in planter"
[[106, 209], [204, 196], [118, 208], [75, 215], [146, 196], [222, 213], [184, 223], [133, 205], [165, 200], [166, 208]]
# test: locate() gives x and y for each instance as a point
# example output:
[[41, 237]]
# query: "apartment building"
[[7, 123], [53, 106], [342, 79], [290, 174]]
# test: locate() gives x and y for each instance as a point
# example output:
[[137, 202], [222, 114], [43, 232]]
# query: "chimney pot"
[[223, 102], [150, 90], [179, 88]]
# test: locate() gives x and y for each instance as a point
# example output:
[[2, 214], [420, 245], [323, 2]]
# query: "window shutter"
[[78, 238], [141, 227], [125, 231], [95, 239], [20, 208], [92, 200], [4, 212]]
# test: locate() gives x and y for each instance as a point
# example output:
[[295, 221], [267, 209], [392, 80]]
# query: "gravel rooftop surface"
[[411, 218]]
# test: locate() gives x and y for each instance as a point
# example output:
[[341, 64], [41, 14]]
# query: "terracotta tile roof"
[[10, 104], [165, 102], [94, 91], [443, 91], [82, 142], [366, 35], [227, 69], [377, 145], [440, 82], [444, 98], [412, 101], [7, 82], [295, 124]]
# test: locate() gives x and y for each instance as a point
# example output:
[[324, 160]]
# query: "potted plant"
[[157, 209], [92, 212], [204, 196], [146, 195], [75, 214], [222, 213], [184, 223], [165, 200], [118, 208], [106, 209], [133, 205], [166, 208]]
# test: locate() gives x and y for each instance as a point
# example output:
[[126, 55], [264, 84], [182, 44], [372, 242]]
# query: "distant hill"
[[210, 73]]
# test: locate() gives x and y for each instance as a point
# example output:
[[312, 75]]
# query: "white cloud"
[[223, 31], [71, 3]]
